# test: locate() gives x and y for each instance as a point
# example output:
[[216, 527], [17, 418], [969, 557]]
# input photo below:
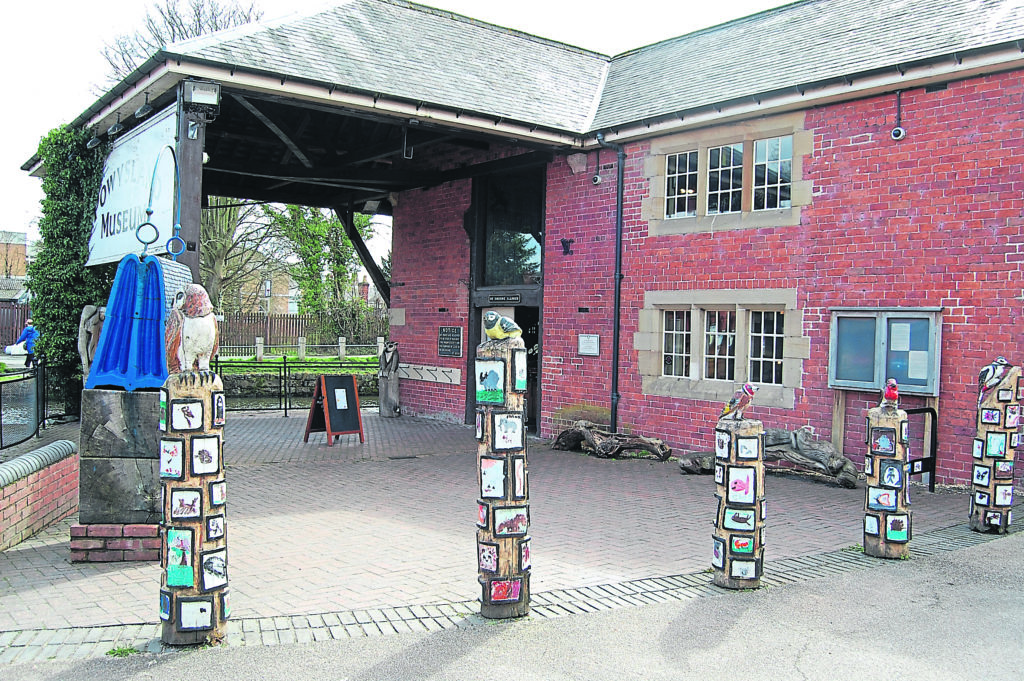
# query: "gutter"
[[620, 184]]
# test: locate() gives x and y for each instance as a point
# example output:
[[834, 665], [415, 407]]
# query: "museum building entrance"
[[507, 268]]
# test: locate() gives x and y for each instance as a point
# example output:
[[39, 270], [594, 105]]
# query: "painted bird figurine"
[[991, 376], [191, 336], [739, 402], [498, 327], [890, 394]]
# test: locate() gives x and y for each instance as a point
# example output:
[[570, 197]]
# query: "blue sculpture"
[[130, 353]]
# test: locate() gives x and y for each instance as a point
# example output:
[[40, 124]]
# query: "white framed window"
[[699, 344], [725, 179], [766, 346], [720, 345], [773, 173], [681, 185], [677, 343]]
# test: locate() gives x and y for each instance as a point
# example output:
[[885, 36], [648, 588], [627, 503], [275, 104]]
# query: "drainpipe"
[[620, 184]]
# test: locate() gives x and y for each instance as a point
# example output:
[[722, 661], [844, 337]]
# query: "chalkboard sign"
[[335, 408], [449, 341]]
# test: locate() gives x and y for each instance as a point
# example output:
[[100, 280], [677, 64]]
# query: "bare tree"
[[168, 21], [241, 249]]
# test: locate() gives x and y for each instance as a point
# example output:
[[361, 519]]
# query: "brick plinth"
[[112, 543]]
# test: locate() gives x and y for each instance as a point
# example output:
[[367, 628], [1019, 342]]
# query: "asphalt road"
[[957, 615]]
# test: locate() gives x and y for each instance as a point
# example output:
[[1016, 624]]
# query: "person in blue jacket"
[[29, 335]]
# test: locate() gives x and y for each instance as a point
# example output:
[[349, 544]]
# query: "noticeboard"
[[449, 341], [335, 408]]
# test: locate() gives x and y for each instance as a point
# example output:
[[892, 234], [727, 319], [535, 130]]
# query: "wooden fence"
[[284, 329], [12, 321]]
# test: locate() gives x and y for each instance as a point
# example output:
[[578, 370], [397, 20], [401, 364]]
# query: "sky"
[[52, 49]]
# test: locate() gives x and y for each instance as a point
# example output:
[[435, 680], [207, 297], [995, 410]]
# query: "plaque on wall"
[[449, 341], [589, 344]]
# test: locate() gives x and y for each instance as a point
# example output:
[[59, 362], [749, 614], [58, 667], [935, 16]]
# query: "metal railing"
[[280, 385], [23, 405]]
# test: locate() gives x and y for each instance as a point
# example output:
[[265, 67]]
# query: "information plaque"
[[449, 341]]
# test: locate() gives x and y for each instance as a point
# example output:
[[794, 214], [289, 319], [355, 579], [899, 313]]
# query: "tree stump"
[[887, 522], [194, 598], [503, 509], [738, 557], [588, 437], [995, 444]]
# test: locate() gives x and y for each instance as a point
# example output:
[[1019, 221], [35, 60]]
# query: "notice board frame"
[[326, 415]]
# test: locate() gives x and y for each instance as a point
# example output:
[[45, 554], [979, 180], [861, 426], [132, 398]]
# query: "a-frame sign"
[[335, 408]]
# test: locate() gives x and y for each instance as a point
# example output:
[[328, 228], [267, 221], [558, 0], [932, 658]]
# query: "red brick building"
[[811, 213]]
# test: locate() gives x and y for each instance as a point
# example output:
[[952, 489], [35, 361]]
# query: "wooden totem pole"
[[738, 558], [998, 435], [194, 599], [503, 517], [887, 521]]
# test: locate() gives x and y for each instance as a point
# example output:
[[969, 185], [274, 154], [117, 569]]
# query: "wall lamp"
[[144, 110], [116, 128]]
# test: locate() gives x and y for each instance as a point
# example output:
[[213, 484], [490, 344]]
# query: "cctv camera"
[[898, 133], [596, 179]]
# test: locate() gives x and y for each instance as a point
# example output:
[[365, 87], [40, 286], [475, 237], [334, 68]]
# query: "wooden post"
[[738, 558], [194, 599], [994, 450], [887, 521], [191, 141], [838, 419], [503, 517]]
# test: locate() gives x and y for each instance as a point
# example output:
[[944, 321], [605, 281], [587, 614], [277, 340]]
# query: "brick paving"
[[378, 538]]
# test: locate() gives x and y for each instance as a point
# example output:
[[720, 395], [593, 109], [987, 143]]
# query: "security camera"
[[596, 179], [898, 133]]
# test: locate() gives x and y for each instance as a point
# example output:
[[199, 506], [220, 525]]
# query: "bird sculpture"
[[739, 402], [890, 394], [191, 336], [498, 327], [991, 376]]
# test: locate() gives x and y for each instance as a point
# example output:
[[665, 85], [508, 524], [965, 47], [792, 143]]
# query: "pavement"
[[358, 561]]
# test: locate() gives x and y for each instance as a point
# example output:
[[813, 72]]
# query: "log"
[[588, 437], [797, 447]]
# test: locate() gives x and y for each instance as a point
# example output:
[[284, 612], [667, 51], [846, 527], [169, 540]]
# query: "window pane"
[[725, 179], [855, 349], [720, 344], [676, 347], [773, 173], [766, 340], [680, 181], [514, 225]]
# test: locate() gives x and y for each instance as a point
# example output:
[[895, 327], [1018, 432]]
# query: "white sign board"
[[128, 178], [589, 344]]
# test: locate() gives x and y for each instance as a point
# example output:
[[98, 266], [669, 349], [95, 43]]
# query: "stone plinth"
[[118, 456]]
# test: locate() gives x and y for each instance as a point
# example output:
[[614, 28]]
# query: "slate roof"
[[420, 54], [797, 44], [417, 53]]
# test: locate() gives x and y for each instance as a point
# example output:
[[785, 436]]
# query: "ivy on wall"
[[60, 283]]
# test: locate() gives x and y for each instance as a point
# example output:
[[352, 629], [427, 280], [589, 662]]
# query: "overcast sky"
[[52, 52]]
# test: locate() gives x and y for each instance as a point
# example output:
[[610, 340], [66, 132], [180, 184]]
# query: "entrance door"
[[507, 268]]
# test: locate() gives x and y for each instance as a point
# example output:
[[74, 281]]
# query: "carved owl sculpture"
[[191, 335]]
